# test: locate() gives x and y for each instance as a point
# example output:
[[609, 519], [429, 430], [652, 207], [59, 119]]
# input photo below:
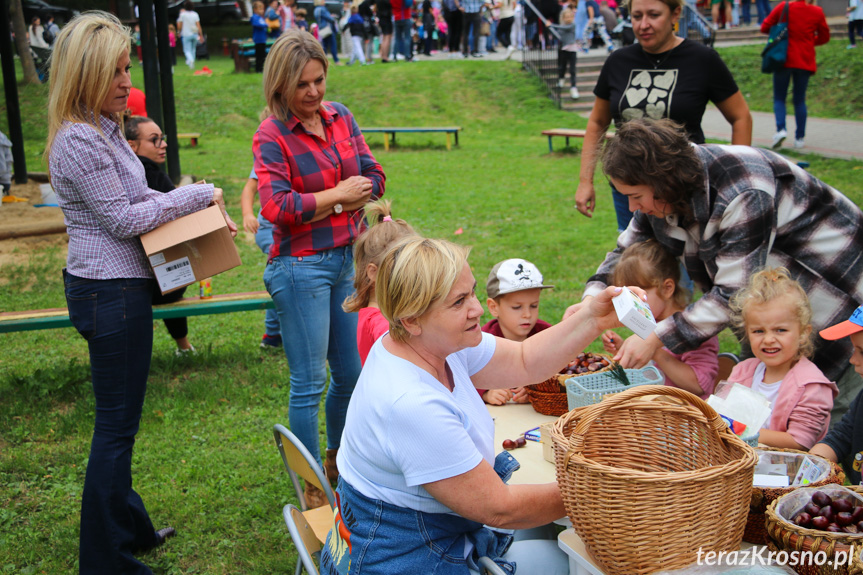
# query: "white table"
[[512, 420], [580, 562]]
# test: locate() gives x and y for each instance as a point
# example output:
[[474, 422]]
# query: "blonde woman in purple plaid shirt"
[[106, 205]]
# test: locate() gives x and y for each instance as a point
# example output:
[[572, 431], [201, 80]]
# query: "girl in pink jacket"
[[774, 313]]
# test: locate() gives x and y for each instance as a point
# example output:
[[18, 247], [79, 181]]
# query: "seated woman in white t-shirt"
[[419, 481]]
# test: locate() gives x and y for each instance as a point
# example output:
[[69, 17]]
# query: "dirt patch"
[[20, 214]]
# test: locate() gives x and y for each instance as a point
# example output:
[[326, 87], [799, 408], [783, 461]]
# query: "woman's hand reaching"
[[219, 200]]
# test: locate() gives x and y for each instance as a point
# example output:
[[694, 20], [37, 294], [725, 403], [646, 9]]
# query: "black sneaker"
[[271, 342]]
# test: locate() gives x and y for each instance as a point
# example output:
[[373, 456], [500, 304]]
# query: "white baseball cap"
[[513, 275]]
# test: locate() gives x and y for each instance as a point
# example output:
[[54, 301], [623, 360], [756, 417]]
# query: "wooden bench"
[[191, 136], [567, 133], [393, 131], [243, 53], [190, 306]]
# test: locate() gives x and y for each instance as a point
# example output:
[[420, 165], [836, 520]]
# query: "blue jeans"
[[621, 209], [330, 41], [308, 292], [763, 9], [403, 38], [781, 79], [190, 43], [116, 319], [385, 538], [264, 239]]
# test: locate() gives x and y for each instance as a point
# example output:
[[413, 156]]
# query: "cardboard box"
[[634, 313], [191, 248]]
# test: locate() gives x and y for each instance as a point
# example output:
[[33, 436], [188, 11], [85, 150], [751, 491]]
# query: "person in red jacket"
[[807, 28]]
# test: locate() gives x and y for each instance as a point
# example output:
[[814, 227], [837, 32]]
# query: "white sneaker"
[[778, 138], [560, 83], [509, 52], [799, 143], [573, 93]]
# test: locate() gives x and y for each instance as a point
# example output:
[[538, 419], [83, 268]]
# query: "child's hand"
[[611, 341], [496, 396], [250, 223], [519, 395]]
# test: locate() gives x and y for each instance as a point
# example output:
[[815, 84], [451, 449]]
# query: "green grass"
[[835, 91], [205, 461]]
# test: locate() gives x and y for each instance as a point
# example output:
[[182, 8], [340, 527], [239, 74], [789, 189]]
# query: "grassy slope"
[[205, 460]]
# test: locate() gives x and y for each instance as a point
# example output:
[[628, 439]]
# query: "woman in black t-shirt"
[[663, 76], [149, 144]]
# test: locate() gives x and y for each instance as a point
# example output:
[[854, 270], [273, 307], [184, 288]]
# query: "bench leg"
[[550, 149], [456, 138], [386, 142], [194, 141], [448, 145], [394, 139]]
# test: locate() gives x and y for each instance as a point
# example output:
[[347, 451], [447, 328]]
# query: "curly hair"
[[770, 284], [655, 153]]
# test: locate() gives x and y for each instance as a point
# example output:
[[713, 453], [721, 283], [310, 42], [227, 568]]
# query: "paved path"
[[832, 138]]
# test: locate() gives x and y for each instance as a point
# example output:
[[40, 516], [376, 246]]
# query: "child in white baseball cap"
[[513, 288], [844, 443]]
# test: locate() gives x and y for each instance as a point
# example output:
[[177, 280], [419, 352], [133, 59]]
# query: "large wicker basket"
[[786, 536], [647, 483], [762, 497]]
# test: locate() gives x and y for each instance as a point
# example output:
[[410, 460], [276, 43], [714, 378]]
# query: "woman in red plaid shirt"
[[315, 174]]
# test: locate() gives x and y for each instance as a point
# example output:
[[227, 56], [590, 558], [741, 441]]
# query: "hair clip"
[[387, 219]]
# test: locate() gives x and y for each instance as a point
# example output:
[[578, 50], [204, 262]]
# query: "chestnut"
[[820, 499], [850, 529], [857, 514], [812, 509], [521, 442], [833, 528], [508, 444], [803, 519], [860, 526], [820, 523], [827, 512], [840, 505], [843, 518]]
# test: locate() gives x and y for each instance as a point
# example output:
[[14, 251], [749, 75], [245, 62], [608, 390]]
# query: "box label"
[[174, 274], [157, 259]]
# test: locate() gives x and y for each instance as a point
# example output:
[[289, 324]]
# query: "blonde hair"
[[648, 264], [767, 285], [413, 275], [370, 249], [284, 66], [83, 63], [566, 13]]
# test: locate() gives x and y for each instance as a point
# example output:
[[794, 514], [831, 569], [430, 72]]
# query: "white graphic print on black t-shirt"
[[648, 93]]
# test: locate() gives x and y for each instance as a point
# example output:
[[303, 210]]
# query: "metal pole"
[[150, 61], [10, 86], [169, 112]]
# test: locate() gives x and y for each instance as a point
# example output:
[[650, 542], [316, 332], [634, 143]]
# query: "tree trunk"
[[21, 43]]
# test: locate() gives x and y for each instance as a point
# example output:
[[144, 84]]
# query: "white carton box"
[[634, 313]]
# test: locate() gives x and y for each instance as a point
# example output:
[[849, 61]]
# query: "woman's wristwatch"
[[337, 208]]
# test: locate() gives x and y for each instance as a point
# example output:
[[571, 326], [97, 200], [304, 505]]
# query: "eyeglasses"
[[158, 140]]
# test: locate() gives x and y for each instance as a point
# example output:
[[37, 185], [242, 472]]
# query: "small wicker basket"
[[857, 563], [647, 484], [786, 536], [549, 397], [762, 497]]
